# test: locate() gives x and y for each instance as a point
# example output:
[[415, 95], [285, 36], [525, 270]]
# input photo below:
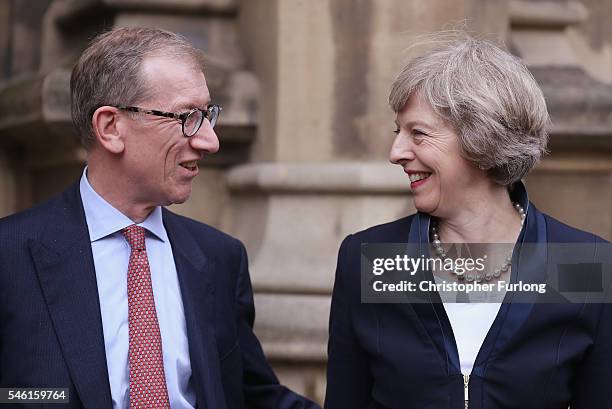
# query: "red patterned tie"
[[147, 379]]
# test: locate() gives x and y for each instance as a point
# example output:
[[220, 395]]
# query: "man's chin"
[[180, 197]]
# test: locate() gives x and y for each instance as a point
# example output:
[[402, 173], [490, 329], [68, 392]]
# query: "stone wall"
[[306, 127], [7, 188], [567, 48]]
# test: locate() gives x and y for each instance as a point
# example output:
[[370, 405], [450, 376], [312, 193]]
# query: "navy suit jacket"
[[404, 356], [50, 323]]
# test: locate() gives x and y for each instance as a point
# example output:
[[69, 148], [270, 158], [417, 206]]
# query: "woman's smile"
[[417, 178]]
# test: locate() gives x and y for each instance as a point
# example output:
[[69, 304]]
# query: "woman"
[[471, 123]]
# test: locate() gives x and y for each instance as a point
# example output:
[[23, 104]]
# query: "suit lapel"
[[65, 268], [194, 269]]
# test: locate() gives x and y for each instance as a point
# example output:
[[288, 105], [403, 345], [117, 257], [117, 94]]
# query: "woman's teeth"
[[418, 176]]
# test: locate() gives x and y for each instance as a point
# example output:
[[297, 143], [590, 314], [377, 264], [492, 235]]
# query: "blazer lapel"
[[432, 315], [194, 269], [65, 268], [528, 265]]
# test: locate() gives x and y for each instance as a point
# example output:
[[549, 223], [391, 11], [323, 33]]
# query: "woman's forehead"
[[418, 110]]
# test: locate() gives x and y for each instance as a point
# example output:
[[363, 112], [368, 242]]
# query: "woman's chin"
[[424, 207]]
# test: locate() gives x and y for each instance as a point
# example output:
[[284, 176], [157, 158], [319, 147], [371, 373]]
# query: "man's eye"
[[418, 132], [397, 131]]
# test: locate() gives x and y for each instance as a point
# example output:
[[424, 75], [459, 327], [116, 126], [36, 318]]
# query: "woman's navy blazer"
[[404, 356]]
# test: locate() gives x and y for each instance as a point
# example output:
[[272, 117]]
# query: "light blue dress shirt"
[[111, 254]]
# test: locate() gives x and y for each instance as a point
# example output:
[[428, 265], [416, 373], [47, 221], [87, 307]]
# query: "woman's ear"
[[105, 124]]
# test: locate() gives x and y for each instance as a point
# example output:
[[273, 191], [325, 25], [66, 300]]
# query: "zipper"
[[466, 387]]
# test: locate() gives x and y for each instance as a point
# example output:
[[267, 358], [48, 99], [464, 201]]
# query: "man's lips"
[[190, 165]]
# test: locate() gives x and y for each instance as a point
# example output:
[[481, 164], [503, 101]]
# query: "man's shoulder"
[[201, 231], [35, 218]]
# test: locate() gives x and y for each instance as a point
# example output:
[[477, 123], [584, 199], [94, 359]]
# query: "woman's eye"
[[397, 131], [418, 136]]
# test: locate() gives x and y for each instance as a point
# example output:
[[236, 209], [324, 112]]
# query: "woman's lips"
[[418, 178], [414, 185]]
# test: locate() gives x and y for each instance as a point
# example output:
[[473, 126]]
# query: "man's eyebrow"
[[185, 105]]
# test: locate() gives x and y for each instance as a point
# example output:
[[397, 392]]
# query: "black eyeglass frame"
[[182, 117]]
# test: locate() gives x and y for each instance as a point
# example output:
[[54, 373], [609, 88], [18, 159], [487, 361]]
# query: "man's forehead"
[[178, 83], [170, 60], [181, 103]]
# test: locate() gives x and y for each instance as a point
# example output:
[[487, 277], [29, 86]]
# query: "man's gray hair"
[[488, 96], [109, 71]]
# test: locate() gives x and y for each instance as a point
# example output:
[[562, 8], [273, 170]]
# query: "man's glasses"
[[191, 121]]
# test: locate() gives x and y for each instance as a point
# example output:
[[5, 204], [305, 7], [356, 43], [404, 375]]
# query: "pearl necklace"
[[437, 245]]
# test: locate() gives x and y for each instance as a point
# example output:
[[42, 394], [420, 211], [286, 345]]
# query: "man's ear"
[[105, 121]]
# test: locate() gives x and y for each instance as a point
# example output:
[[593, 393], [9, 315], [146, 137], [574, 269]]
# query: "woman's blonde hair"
[[488, 96]]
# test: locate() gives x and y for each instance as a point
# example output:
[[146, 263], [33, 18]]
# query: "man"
[[107, 293]]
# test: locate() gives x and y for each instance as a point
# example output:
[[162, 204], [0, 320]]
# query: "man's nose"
[[401, 150], [205, 139]]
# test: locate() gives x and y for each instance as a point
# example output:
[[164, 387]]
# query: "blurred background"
[[306, 127]]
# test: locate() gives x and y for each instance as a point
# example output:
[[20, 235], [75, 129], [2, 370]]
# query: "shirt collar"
[[103, 219]]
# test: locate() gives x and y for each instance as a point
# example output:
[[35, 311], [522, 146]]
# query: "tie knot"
[[135, 236]]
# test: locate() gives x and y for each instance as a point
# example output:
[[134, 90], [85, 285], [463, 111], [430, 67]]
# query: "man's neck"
[[109, 187]]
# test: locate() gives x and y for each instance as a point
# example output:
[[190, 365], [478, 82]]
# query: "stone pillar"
[[7, 187], [319, 167], [573, 66], [306, 128], [34, 106]]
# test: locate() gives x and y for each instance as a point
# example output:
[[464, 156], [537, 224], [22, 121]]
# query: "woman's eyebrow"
[[415, 122]]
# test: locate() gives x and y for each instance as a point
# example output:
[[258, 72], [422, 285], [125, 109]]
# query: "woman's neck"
[[488, 217]]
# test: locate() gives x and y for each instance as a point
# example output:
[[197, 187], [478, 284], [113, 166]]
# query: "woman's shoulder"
[[390, 232], [559, 232], [349, 254]]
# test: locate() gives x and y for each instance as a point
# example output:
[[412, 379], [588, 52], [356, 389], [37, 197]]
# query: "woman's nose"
[[401, 150]]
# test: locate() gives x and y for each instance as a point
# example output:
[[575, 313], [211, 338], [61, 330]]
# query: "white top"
[[470, 323], [111, 254]]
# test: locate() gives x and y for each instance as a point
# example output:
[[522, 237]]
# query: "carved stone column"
[[35, 122], [574, 183], [306, 128], [319, 169]]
